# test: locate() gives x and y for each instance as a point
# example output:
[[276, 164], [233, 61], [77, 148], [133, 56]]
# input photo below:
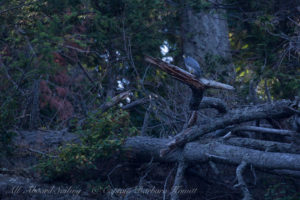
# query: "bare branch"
[[115, 100], [178, 179], [87, 75], [193, 119], [263, 145], [241, 183], [146, 120], [135, 103], [263, 130], [186, 77], [276, 110], [10, 78], [42, 153], [166, 182]]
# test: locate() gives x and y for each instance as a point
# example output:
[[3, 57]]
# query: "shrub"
[[101, 139]]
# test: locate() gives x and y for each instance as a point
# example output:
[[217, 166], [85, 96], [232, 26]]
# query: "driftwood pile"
[[223, 139]]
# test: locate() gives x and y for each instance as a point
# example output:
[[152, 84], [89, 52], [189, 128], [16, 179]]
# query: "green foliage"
[[35, 34], [199, 5], [101, 139], [264, 44]]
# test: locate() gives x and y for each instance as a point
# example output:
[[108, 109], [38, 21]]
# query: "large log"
[[146, 147], [275, 110]]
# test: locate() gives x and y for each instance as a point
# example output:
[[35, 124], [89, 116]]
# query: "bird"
[[193, 66]]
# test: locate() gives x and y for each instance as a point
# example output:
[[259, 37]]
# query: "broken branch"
[[186, 77]]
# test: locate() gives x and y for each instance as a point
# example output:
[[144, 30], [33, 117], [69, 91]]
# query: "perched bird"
[[192, 66]]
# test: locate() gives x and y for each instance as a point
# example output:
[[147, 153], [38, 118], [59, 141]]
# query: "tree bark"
[[146, 147], [186, 77], [205, 36], [276, 110]]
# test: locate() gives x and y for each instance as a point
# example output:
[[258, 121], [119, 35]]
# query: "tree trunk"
[[205, 38]]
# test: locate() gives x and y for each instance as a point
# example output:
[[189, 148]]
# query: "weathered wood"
[[275, 110], [264, 130], [178, 180], [146, 147], [193, 119], [211, 102], [263, 145], [186, 77], [136, 103], [241, 183]]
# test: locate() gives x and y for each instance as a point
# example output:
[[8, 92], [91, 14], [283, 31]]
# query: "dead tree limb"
[[178, 179], [263, 130], [211, 102], [146, 120], [207, 102], [241, 183], [145, 147], [88, 76], [275, 110], [186, 77], [136, 103], [193, 119], [263, 145], [197, 86], [115, 100], [9, 77]]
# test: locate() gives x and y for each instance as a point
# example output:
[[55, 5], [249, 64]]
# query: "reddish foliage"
[[62, 92], [67, 110], [81, 29], [63, 107], [62, 78], [59, 59], [56, 100], [44, 88], [45, 93]]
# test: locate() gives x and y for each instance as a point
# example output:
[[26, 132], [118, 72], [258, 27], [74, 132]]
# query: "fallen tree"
[[216, 151], [276, 110], [210, 141], [184, 149], [272, 157]]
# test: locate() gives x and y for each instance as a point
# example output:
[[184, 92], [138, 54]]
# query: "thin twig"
[[10, 78], [166, 183], [42, 153], [108, 175]]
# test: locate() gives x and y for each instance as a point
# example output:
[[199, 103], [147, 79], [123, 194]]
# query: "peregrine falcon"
[[192, 66]]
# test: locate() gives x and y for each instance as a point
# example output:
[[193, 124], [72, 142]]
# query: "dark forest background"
[[62, 61]]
